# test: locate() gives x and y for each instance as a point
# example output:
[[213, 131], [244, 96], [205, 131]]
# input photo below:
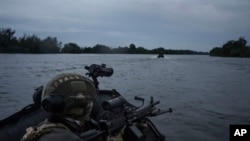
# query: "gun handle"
[[139, 98]]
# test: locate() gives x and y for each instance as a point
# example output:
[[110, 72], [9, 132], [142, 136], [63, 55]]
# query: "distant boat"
[[160, 55]]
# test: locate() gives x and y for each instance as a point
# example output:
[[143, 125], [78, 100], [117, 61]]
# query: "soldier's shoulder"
[[34, 133]]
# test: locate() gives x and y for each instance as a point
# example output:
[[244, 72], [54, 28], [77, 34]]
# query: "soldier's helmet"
[[69, 95]]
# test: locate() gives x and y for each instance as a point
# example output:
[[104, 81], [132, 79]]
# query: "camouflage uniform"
[[48, 132]]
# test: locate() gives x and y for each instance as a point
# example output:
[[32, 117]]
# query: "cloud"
[[150, 23]]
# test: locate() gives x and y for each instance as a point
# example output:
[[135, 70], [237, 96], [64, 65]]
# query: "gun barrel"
[[157, 102]]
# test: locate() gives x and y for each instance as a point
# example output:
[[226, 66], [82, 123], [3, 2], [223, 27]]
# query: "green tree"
[[50, 45], [87, 50], [159, 50], [7, 39], [122, 50], [216, 51], [30, 44], [71, 48], [141, 50], [232, 49], [132, 48], [101, 49]]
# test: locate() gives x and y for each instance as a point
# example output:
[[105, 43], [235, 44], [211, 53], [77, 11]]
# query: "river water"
[[206, 93]]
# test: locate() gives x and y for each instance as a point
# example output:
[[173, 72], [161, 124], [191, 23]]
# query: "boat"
[[109, 105], [160, 55]]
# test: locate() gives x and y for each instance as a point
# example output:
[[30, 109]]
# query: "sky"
[[198, 25]]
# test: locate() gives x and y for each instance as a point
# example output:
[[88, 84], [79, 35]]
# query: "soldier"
[[69, 98]]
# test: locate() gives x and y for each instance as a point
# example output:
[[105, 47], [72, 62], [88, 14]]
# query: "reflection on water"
[[206, 93]]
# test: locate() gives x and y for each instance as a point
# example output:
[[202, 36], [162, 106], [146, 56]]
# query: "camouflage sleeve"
[[59, 134]]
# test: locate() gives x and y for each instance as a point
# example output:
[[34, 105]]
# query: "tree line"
[[232, 48], [9, 43]]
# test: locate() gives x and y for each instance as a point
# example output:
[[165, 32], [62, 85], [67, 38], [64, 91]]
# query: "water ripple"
[[206, 93]]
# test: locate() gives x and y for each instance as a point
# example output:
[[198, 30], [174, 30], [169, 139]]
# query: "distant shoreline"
[[32, 44], [205, 53]]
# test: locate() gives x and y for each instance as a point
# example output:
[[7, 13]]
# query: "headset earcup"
[[53, 104], [37, 96]]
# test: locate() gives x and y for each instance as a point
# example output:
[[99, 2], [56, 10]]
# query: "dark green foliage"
[[142, 50], [217, 51], [27, 43], [232, 49], [101, 49], [159, 50], [121, 50], [7, 40], [87, 50], [132, 49], [71, 48], [30, 44], [50, 45]]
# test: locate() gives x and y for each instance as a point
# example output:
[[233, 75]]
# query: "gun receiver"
[[113, 120]]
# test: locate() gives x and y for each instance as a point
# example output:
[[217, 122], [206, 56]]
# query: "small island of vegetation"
[[33, 44], [232, 48]]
